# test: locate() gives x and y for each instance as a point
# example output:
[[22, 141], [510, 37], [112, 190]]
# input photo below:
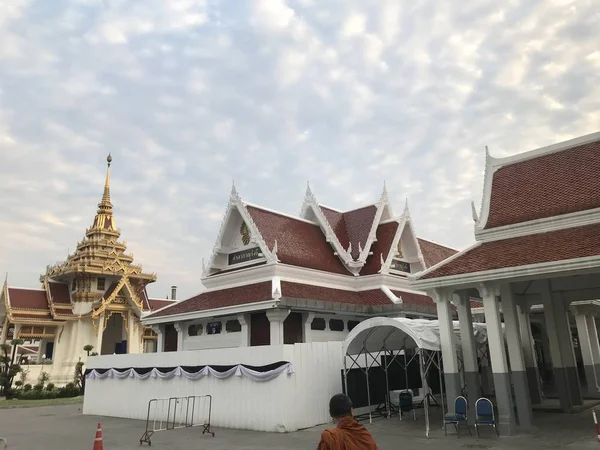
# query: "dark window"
[[213, 328], [318, 323], [101, 284], [74, 287], [336, 325], [352, 324], [195, 330], [233, 326]]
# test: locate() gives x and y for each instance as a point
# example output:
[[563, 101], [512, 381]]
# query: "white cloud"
[[189, 95]]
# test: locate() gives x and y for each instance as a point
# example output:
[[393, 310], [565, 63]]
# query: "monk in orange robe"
[[348, 434]]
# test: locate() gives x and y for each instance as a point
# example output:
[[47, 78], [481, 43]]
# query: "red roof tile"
[[251, 293], [549, 185], [60, 293], [110, 290], [412, 299], [28, 298], [434, 253], [385, 236], [571, 243], [159, 303], [476, 303], [351, 226], [309, 292], [299, 243]]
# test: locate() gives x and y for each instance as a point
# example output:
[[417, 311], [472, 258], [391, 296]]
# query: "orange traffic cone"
[[98, 441]]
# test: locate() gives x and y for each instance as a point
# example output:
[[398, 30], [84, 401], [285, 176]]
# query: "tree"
[[8, 369], [88, 348]]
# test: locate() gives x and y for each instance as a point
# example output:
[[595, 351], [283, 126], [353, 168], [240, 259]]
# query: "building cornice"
[[518, 272], [554, 223]]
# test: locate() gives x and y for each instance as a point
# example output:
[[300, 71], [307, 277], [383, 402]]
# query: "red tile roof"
[[306, 291], [159, 303], [110, 290], [251, 293], [549, 185], [385, 236], [476, 303], [412, 299], [28, 298], [299, 243], [351, 226], [571, 243], [434, 253], [60, 293], [44, 317]]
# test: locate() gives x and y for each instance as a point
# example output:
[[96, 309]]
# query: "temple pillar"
[[245, 338], [531, 364], [593, 331], [469, 351], [448, 344], [17, 329], [502, 385], [4, 333], [160, 340], [276, 318], [561, 349], [586, 343], [180, 328], [308, 319], [100, 334], [517, 360]]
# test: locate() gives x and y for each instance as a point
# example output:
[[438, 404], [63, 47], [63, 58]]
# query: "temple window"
[[352, 324], [233, 326], [318, 323], [336, 325], [213, 328], [195, 330], [74, 285], [101, 285]]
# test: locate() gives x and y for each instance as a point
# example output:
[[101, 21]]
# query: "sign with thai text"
[[245, 256], [400, 266]]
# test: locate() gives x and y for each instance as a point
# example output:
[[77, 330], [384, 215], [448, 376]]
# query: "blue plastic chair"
[[406, 403], [459, 416], [484, 414]]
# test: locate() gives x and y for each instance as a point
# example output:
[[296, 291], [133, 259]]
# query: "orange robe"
[[348, 435]]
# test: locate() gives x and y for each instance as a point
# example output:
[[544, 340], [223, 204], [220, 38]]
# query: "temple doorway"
[[292, 328], [114, 337], [170, 344], [260, 329]]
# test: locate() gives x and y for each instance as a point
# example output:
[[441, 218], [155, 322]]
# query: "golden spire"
[[105, 206]]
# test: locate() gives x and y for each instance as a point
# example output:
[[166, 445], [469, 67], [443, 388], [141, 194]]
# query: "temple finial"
[[474, 212], [105, 206]]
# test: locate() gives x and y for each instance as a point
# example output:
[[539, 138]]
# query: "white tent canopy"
[[372, 335]]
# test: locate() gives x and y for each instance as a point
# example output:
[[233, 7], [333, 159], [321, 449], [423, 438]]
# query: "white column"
[[517, 360], [4, 331], [100, 334], [469, 350], [557, 329], [593, 331], [448, 344], [587, 354], [245, 338], [531, 364], [308, 318], [502, 386], [276, 318], [160, 341], [181, 328]]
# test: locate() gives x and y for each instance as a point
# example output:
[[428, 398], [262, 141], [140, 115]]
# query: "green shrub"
[[18, 384], [50, 387], [38, 387], [27, 387]]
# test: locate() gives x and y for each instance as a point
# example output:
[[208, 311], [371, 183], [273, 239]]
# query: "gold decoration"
[[399, 248], [245, 232]]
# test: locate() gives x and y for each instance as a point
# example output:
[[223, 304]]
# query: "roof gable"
[[545, 183], [299, 243], [434, 253], [352, 228], [32, 299], [385, 235]]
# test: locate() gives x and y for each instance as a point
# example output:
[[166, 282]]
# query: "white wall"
[[287, 403]]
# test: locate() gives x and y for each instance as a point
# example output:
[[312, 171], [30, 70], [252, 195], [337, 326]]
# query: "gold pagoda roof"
[[100, 252]]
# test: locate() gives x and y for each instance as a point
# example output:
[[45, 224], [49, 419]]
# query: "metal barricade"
[[177, 412]]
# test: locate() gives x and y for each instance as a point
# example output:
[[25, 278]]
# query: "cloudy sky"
[[190, 95]]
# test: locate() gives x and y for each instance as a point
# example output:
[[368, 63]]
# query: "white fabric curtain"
[[237, 371]]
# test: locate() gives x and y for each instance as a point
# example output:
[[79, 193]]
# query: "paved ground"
[[65, 428]]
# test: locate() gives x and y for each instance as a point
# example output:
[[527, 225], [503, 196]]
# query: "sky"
[[189, 96]]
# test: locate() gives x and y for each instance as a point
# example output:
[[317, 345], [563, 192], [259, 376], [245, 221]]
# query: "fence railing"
[[177, 412]]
